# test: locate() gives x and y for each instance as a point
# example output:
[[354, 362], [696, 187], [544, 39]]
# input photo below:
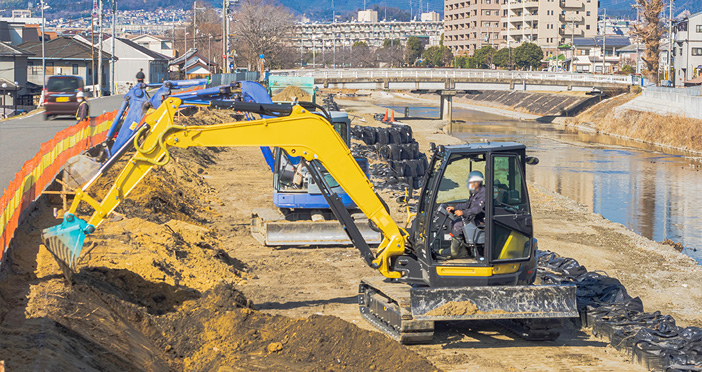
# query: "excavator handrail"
[[301, 133]]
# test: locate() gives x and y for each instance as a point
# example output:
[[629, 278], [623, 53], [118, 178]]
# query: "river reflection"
[[653, 193]]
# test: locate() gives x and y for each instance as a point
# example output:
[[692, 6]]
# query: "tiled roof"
[[62, 48]]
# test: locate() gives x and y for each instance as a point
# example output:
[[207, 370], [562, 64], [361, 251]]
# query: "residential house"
[[632, 55], [13, 78], [191, 65], [589, 53], [67, 56], [687, 49], [133, 57], [156, 43]]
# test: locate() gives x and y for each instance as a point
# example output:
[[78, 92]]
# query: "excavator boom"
[[301, 133]]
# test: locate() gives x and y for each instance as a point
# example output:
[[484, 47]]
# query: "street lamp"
[[43, 37], [209, 54]]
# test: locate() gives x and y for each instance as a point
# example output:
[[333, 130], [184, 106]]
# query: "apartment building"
[[548, 23], [338, 35], [687, 49], [471, 24]]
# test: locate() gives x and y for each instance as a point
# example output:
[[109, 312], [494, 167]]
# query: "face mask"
[[471, 186]]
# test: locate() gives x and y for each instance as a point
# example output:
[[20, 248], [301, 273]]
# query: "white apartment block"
[[687, 49], [327, 36], [548, 23]]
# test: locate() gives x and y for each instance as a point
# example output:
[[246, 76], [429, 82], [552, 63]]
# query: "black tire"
[[384, 136], [47, 117]]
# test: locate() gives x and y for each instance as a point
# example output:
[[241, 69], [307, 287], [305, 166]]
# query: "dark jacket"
[[140, 76], [83, 111], [474, 208]]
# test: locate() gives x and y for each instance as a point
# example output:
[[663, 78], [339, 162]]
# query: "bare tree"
[[262, 29], [651, 31]]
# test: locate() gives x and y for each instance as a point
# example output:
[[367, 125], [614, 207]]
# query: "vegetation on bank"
[[668, 130]]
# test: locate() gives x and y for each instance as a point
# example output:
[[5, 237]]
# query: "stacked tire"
[[397, 146]]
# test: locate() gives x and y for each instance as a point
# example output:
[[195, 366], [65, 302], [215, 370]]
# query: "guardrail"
[[431, 73]]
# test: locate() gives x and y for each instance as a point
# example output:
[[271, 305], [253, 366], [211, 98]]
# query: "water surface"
[[655, 192]]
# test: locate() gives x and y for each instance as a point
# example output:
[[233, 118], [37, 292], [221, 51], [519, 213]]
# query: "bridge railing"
[[424, 73]]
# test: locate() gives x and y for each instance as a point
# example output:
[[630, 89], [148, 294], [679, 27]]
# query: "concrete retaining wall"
[[667, 101], [545, 104]]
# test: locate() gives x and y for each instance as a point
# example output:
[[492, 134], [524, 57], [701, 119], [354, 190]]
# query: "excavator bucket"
[[494, 302], [65, 242]]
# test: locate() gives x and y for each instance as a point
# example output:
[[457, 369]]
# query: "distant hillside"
[[623, 8], [315, 9]]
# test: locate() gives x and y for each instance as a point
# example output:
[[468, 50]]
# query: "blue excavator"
[[300, 217]]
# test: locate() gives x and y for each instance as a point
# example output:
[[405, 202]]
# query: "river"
[[656, 194]]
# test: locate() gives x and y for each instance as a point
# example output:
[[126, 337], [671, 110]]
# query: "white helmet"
[[80, 94], [475, 176]]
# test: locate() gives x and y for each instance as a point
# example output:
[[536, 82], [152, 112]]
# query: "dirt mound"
[[291, 91], [258, 341]]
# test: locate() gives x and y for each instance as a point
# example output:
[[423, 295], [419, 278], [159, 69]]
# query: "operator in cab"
[[472, 210]]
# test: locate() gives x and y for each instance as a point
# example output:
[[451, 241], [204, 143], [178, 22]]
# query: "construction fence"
[[38, 173]]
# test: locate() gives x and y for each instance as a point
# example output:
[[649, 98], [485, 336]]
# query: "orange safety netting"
[[38, 172]]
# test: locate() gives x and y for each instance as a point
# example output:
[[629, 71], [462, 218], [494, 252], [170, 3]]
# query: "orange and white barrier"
[[38, 172]]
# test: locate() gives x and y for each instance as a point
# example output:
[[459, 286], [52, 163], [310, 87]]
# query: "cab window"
[[508, 185], [453, 187]]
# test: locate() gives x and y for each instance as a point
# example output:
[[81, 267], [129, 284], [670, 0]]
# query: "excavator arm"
[[301, 133]]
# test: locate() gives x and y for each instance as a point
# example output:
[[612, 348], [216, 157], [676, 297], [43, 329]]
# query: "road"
[[20, 139]]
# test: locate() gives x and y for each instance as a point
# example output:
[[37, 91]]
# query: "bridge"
[[447, 82]]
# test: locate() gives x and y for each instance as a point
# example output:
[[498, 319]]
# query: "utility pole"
[[100, 48], [604, 41], [194, 24], [92, 43], [638, 58], [43, 60], [225, 55], [670, 43], [113, 86]]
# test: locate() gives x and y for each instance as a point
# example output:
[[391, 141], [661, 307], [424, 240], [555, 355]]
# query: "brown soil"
[[158, 289], [455, 308], [291, 91]]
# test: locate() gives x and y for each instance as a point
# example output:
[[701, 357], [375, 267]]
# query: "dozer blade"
[[494, 302], [80, 169], [283, 233], [65, 242]]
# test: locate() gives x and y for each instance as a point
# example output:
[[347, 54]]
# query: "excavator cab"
[[503, 240]]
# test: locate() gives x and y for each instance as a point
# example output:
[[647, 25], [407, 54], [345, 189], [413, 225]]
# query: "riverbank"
[[611, 117], [664, 278]]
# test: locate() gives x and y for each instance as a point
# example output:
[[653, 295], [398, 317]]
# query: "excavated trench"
[[157, 291]]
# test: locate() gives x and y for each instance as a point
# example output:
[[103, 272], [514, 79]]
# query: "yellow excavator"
[[418, 286]]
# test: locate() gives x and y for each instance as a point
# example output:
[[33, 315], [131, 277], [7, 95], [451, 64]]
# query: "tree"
[[484, 56], [262, 29], [413, 50], [362, 55], [437, 56], [650, 31], [528, 55], [504, 58], [392, 52]]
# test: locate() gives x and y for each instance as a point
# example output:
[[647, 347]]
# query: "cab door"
[[510, 222]]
